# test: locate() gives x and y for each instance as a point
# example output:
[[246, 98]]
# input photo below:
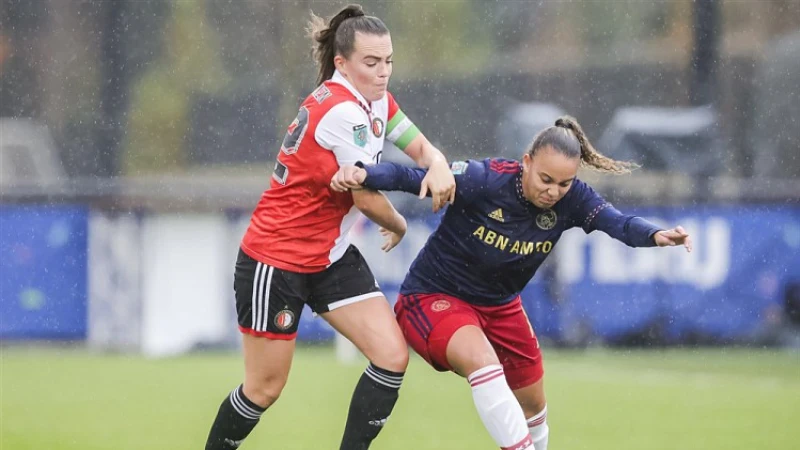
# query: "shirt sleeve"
[[470, 177], [593, 212], [343, 130], [400, 130]]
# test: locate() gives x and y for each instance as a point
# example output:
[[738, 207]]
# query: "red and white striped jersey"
[[300, 224]]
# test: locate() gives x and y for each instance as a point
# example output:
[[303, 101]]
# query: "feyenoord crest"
[[546, 220], [377, 127], [440, 305], [360, 135], [284, 320]]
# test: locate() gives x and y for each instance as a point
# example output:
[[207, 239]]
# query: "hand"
[[391, 238], [441, 184], [348, 177], [673, 237]]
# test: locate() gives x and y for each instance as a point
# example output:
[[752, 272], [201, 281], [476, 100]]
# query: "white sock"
[[539, 430], [498, 408]]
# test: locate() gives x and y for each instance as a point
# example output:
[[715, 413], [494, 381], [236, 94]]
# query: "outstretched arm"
[[383, 177], [638, 232], [595, 213], [470, 176]]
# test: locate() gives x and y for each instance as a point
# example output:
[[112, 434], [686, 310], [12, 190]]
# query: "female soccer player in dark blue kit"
[[459, 306]]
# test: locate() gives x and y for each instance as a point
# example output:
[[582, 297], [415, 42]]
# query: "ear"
[[338, 62], [526, 161]]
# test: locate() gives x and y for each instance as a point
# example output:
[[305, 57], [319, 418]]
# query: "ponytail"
[[568, 138], [590, 157]]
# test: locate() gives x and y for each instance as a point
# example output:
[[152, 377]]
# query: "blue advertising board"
[[43, 287], [730, 288]]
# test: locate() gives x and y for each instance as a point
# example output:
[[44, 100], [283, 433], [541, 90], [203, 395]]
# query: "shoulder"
[[487, 173], [341, 113], [502, 166], [389, 98], [344, 121], [469, 168], [333, 92], [582, 203], [579, 192], [327, 96], [501, 171], [489, 167]]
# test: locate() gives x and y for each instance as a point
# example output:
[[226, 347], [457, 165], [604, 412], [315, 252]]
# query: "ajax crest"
[[546, 220], [440, 305]]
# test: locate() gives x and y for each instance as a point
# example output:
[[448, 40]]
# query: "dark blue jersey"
[[491, 240]]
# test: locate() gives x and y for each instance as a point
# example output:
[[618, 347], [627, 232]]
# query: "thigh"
[[349, 280], [508, 329], [468, 350], [429, 321], [347, 296], [266, 367], [269, 300], [370, 325]]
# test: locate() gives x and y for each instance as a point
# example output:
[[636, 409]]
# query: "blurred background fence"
[[136, 137]]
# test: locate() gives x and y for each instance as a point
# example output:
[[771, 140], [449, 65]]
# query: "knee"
[[264, 391], [467, 363], [533, 405], [393, 357], [468, 350]]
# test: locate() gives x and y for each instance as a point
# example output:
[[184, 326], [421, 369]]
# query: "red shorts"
[[429, 321]]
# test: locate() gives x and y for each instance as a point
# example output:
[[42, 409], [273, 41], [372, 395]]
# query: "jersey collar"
[[520, 193], [340, 79]]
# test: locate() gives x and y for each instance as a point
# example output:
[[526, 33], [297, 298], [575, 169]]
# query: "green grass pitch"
[[54, 399]]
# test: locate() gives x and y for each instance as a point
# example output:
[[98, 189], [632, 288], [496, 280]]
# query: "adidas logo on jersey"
[[497, 215]]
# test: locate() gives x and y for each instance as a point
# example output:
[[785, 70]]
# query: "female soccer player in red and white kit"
[[296, 250], [459, 306]]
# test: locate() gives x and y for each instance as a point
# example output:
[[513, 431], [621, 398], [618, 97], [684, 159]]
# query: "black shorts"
[[269, 300]]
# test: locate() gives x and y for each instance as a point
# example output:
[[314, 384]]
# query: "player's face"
[[547, 176], [370, 65]]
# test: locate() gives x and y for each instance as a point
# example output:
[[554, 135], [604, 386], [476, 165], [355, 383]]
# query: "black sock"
[[372, 403], [236, 418]]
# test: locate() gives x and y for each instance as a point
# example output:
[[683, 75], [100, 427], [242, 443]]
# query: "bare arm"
[[439, 180], [423, 152], [380, 210]]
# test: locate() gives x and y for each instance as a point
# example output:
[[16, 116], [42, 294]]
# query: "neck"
[[524, 185], [522, 195]]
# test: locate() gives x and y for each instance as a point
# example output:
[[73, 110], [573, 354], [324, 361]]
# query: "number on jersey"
[[295, 133]]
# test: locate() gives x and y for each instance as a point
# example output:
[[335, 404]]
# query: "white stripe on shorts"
[[265, 304], [351, 300], [257, 279]]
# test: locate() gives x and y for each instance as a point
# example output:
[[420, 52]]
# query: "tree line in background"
[[140, 87]]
